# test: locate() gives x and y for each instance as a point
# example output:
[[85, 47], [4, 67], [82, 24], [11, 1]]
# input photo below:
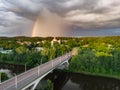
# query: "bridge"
[[32, 77]]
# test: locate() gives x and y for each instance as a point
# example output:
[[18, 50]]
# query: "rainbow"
[[35, 27]]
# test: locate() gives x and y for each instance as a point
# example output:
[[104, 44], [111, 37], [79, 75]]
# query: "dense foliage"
[[3, 76], [24, 50], [49, 85], [98, 56]]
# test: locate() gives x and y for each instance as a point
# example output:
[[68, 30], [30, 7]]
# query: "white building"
[[55, 40], [38, 48], [5, 51]]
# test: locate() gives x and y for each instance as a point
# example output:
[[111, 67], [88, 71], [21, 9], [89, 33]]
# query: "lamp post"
[[38, 69], [0, 76], [15, 80], [25, 67], [41, 61], [60, 60], [52, 63]]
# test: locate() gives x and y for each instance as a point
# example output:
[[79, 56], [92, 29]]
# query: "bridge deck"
[[20, 81]]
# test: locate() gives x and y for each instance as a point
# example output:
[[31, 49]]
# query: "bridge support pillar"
[[64, 65], [36, 82], [35, 85]]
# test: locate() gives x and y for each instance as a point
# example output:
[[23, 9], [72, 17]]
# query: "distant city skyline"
[[59, 18]]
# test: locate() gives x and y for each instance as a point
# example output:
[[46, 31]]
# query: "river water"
[[74, 81], [86, 82]]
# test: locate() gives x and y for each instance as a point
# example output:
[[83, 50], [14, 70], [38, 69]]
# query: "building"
[[5, 51], [55, 40], [38, 48]]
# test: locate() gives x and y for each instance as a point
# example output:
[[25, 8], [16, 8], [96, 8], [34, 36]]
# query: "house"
[[38, 48]]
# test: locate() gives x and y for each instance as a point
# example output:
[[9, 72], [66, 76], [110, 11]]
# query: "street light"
[[25, 67], [15, 80], [60, 60], [0, 77], [38, 69], [41, 61], [52, 63]]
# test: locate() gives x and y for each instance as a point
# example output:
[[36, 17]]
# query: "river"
[[73, 81]]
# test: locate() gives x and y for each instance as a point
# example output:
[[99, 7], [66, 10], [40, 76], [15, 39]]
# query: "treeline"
[[14, 42], [32, 57], [25, 52], [90, 49], [97, 56], [88, 61]]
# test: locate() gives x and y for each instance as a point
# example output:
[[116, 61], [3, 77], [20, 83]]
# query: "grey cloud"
[[26, 5], [12, 24], [16, 30], [97, 14]]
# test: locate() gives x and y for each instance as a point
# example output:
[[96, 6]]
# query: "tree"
[[49, 85], [21, 50], [3, 76], [75, 51]]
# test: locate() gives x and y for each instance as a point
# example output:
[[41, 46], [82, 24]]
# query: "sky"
[[59, 18]]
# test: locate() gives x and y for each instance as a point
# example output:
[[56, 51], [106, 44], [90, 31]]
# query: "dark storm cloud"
[[99, 15]]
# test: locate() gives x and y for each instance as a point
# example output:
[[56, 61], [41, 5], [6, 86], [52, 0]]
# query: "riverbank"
[[15, 68], [18, 68], [94, 74], [65, 80]]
